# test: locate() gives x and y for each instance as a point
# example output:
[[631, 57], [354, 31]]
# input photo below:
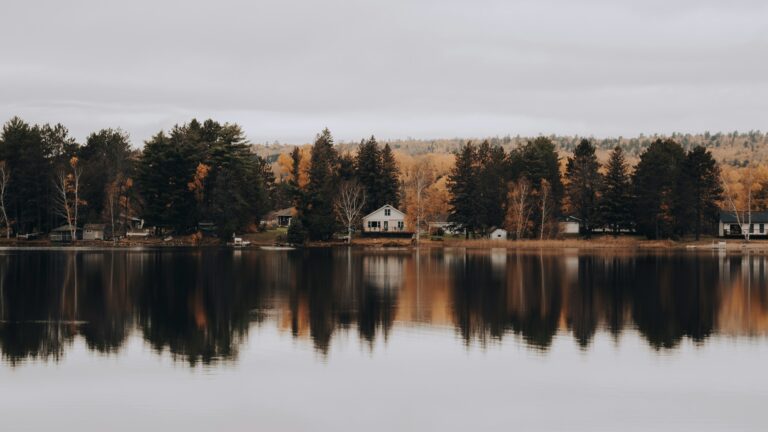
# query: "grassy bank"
[[275, 237]]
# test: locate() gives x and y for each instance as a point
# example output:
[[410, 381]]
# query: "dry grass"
[[607, 242]]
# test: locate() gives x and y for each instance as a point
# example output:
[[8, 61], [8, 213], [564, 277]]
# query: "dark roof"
[[286, 212], [730, 217], [63, 228], [569, 219]]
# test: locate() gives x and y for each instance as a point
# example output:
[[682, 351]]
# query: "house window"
[[400, 225], [751, 228], [387, 212], [762, 228]]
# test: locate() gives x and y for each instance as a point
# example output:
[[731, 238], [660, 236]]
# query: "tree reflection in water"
[[198, 304]]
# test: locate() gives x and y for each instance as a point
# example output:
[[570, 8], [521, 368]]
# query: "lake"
[[382, 340]]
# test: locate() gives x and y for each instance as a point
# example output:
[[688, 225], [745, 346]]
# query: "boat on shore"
[[238, 242], [277, 248]]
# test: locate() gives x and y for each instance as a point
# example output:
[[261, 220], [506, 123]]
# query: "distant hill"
[[733, 148]]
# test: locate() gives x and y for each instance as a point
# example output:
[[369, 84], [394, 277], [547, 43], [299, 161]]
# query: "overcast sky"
[[285, 69]]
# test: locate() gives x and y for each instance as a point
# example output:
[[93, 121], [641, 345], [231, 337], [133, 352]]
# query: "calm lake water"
[[216, 339]]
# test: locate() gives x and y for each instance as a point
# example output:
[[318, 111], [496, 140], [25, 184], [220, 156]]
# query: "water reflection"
[[199, 304]]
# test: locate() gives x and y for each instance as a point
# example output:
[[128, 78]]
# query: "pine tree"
[[389, 179], [657, 190], [537, 160], [347, 169], [204, 172], [33, 154], [463, 188], [317, 214], [104, 157], [584, 182], [615, 209], [702, 189], [164, 171], [368, 166], [492, 186]]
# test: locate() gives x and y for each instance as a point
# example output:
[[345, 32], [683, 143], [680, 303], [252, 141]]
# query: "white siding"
[[385, 219], [499, 234]]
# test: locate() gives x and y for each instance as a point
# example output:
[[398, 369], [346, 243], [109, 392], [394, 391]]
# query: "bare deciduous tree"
[[349, 205], [5, 178], [729, 198], [519, 209], [544, 206], [421, 177], [67, 194]]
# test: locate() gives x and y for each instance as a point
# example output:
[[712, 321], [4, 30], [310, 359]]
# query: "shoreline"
[[603, 243]]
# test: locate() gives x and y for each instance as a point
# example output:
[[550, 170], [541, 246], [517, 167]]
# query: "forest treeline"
[[671, 192], [195, 172], [209, 172], [732, 148]]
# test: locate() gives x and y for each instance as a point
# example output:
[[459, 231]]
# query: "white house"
[[385, 219], [498, 234], [569, 225], [732, 226], [94, 231]]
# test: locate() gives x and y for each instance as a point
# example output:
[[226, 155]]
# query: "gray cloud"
[[284, 69]]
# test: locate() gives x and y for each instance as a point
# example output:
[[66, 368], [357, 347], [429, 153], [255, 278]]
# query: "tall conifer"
[[583, 185], [615, 204]]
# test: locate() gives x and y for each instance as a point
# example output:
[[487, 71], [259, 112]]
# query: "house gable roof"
[[730, 217], [64, 228], [382, 208]]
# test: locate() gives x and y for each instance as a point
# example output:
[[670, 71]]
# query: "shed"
[[569, 225], [498, 234], [94, 231], [63, 234]]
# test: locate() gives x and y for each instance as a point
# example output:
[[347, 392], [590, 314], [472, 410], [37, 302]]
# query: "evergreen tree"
[[295, 188], [463, 188], [347, 171], [33, 154], [584, 182], [389, 179], [368, 165], [536, 161], [204, 172], [702, 189], [104, 157], [656, 186], [297, 234], [616, 193], [317, 214], [492, 186], [165, 169]]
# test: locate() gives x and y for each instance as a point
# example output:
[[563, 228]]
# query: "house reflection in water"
[[384, 272]]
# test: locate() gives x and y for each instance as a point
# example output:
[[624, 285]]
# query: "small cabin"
[[498, 234], [94, 231], [63, 234], [732, 224], [279, 218], [387, 219], [569, 225], [285, 216]]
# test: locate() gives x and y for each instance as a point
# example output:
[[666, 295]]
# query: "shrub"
[[297, 234]]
